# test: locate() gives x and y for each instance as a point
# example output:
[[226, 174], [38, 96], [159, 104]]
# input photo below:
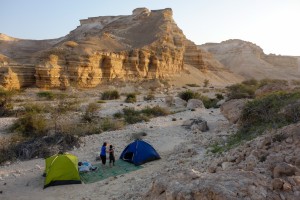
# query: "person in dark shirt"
[[103, 153], [111, 156]]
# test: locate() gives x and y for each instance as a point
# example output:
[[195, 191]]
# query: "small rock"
[[284, 169], [226, 165], [289, 140], [287, 187], [297, 180], [277, 184]]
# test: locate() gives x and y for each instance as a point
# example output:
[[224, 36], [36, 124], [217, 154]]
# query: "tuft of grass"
[[132, 116], [189, 94], [205, 83], [6, 106], [90, 112], [193, 85], [101, 101], [32, 124], [46, 94], [130, 98], [149, 97], [155, 111], [110, 95], [219, 96]]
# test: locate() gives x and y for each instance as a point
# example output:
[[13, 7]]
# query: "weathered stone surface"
[[284, 169], [277, 184], [144, 45], [187, 185], [196, 124], [195, 103], [232, 109]]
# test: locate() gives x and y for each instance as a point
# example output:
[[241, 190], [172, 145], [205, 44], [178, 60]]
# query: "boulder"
[[284, 169], [179, 102], [232, 109], [196, 124], [195, 103]]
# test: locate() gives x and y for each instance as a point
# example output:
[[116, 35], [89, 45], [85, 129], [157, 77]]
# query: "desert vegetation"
[[208, 102], [110, 95], [266, 112]]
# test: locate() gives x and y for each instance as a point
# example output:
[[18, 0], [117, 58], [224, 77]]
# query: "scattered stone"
[[287, 187], [196, 124], [226, 165], [232, 109], [195, 103], [284, 169], [277, 184], [174, 119]]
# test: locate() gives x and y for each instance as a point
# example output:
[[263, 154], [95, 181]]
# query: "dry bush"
[[150, 96], [90, 112], [130, 98], [110, 95]]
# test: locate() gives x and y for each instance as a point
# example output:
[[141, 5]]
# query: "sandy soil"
[[23, 180]]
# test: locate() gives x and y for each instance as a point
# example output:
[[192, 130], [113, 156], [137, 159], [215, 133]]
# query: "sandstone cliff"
[[249, 60], [144, 45]]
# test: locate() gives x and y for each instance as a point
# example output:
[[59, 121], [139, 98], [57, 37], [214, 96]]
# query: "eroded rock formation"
[[144, 45]]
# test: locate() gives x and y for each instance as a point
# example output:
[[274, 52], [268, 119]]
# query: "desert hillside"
[[249, 60], [144, 45]]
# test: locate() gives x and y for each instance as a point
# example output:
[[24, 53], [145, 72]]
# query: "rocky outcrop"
[[144, 45], [232, 109], [264, 168], [249, 60]]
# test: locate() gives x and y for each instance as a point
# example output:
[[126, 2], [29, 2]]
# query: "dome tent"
[[61, 169], [139, 152]]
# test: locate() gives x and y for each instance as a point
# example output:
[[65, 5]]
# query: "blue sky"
[[271, 24]]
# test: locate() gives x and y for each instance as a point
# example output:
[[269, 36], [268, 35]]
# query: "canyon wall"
[[144, 45]]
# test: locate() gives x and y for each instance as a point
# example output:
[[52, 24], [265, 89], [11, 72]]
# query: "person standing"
[[111, 156], [103, 153]]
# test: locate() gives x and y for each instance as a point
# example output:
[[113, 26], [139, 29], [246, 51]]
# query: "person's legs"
[[103, 159]]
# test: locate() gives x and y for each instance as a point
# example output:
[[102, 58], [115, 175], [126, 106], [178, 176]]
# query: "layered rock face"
[[249, 60], [144, 45]]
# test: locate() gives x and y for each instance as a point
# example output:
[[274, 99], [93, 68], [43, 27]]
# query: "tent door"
[[128, 155]]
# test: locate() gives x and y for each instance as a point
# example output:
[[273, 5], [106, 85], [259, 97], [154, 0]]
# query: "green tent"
[[61, 169]]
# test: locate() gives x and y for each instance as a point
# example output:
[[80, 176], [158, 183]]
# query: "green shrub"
[[264, 82], [239, 91], [155, 111], [101, 101], [110, 95], [149, 97], [189, 94], [219, 96], [250, 82], [90, 112], [130, 98], [209, 102], [118, 115], [31, 124], [108, 124], [6, 106], [131, 116], [205, 83], [272, 111], [46, 94], [193, 85]]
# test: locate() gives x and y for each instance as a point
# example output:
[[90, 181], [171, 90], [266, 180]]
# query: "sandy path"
[[23, 180]]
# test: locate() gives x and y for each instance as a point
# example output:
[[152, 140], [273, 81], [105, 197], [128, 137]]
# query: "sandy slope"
[[23, 180]]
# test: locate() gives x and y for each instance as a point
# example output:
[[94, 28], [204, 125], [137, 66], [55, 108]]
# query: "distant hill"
[[249, 60]]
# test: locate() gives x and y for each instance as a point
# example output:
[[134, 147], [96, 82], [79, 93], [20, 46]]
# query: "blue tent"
[[139, 152]]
